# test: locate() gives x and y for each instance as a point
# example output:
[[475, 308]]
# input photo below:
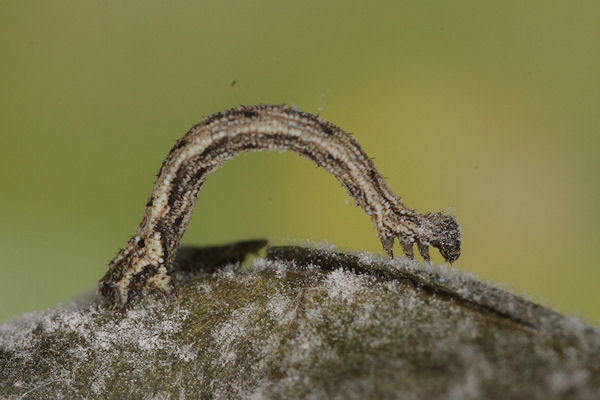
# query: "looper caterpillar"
[[146, 261]]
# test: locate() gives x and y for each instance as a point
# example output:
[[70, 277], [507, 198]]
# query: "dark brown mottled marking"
[[200, 173], [180, 143], [326, 128], [176, 194], [138, 280], [178, 220], [250, 114]]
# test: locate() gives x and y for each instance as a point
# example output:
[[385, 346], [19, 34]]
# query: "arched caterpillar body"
[[147, 260]]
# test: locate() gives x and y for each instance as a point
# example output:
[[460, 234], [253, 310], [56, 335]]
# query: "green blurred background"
[[488, 109]]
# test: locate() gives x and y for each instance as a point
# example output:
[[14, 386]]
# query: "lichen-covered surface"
[[305, 323]]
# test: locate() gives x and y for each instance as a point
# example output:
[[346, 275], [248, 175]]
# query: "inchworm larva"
[[147, 260]]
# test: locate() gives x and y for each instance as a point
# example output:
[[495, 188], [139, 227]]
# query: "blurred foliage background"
[[488, 109]]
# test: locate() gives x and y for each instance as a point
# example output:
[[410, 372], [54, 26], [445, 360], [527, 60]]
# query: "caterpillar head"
[[445, 235]]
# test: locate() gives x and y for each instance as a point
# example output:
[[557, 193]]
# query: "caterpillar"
[[146, 262]]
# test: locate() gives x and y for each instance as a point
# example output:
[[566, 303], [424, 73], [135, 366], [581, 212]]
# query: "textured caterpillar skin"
[[147, 260]]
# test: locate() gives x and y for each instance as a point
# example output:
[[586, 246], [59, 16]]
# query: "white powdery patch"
[[563, 382], [186, 353], [367, 257], [229, 271], [344, 285], [227, 334], [280, 267], [18, 335], [236, 337], [81, 326], [323, 245], [366, 317], [204, 288], [477, 372], [279, 308], [142, 329], [588, 337], [306, 344]]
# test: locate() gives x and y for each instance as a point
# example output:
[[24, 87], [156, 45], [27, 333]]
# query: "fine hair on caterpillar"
[[146, 262]]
